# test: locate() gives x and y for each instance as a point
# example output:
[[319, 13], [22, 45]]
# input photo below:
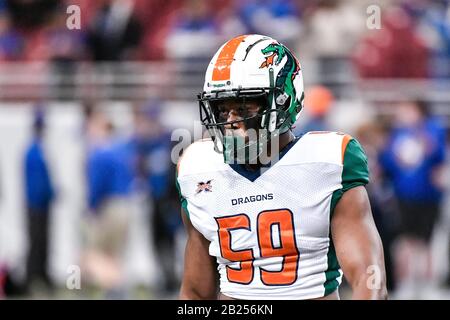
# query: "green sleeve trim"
[[355, 171], [332, 273], [337, 195], [183, 200]]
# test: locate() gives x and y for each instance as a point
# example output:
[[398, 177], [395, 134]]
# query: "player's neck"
[[284, 140]]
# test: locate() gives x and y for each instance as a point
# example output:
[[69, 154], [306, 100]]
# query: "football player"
[[270, 215]]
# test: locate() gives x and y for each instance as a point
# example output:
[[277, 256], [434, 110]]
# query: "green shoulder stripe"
[[332, 273], [183, 200], [355, 172]]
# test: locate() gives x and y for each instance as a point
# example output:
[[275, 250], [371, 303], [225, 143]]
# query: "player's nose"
[[234, 116]]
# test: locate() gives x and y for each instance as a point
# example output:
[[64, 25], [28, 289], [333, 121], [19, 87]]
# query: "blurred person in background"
[[11, 42], [331, 30], [195, 34], [412, 160], [155, 170], [157, 18], [108, 182], [433, 24], [29, 15], [65, 47], [227, 18], [28, 21], [397, 50], [382, 199], [318, 101], [39, 196], [115, 33], [276, 18]]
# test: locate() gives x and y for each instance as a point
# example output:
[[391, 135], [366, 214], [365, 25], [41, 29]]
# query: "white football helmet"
[[252, 67]]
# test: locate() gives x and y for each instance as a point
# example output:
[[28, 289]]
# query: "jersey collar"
[[253, 175]]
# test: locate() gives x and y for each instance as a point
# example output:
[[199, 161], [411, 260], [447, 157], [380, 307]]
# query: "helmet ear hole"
[[282, 99], [284, 107], [285, 101]]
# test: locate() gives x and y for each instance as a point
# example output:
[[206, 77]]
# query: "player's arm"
[[358, 245], [199, 278], [356, 240]]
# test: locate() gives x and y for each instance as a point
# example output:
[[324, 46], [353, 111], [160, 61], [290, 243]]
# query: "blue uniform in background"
[[109, 173], [38, 186], [155, 167], [39, 194], [156, 170], [410, 160]]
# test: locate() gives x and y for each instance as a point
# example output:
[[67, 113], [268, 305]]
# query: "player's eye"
[[222, 113]]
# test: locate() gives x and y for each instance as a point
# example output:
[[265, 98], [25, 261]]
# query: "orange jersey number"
[[244, 275], [286, 247]]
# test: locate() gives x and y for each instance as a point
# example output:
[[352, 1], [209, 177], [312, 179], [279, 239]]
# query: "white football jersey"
[[270, 230]]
